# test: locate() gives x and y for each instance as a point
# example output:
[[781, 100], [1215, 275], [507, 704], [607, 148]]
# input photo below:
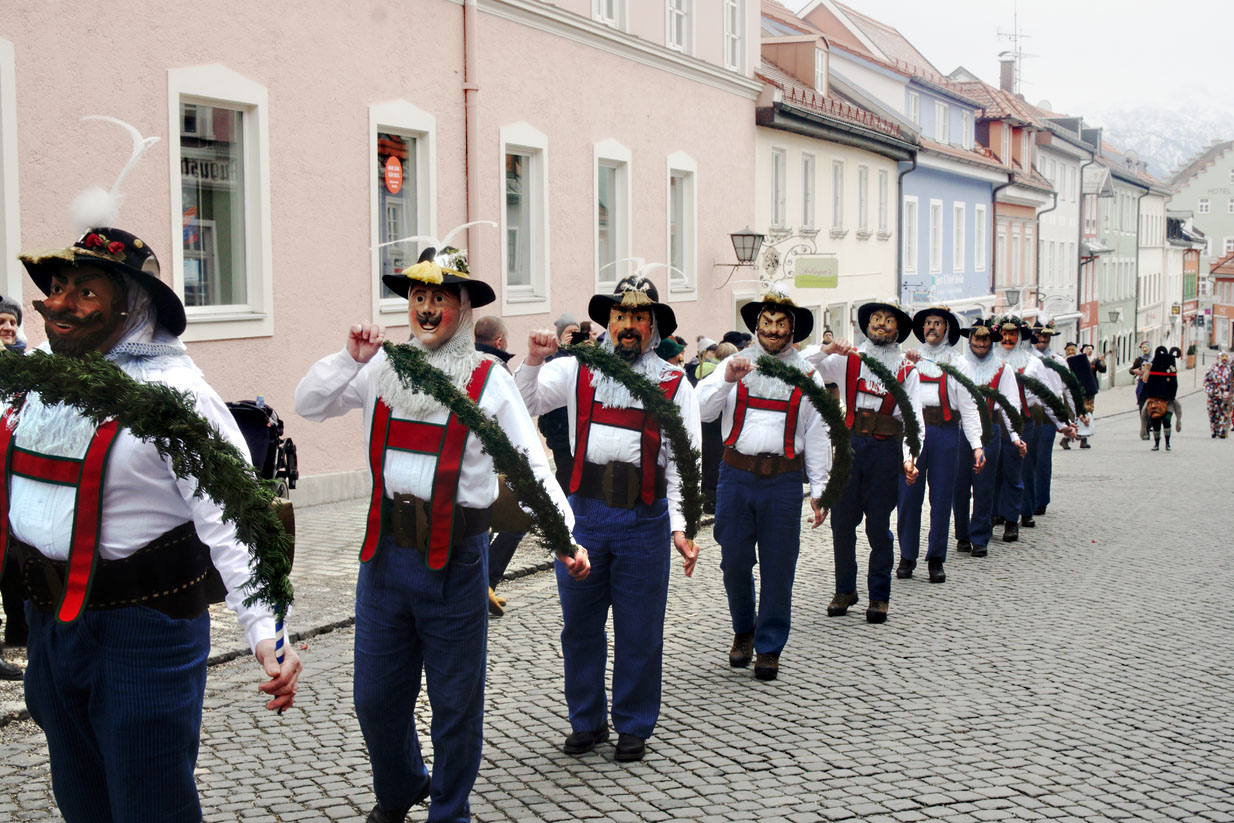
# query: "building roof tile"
[[798, 94]]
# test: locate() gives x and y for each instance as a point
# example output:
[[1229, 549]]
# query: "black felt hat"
[[953, 323], [803, 318], [1162, 375], [982, 327], [1082, 367], [638, 293], [447, 268], [112, 250], [903, 328]]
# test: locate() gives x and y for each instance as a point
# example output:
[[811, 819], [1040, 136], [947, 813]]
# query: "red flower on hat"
[[92, 241], [115, 247]]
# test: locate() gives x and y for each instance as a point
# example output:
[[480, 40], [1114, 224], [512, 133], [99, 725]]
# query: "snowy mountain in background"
[[1165, 139]]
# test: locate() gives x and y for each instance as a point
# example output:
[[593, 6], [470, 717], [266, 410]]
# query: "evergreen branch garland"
[[821, 399], [912, 431], [417, 373], [168, 419], [1013, 414], [1070, 380], [1043, 393], [685, 454], [983, 411]]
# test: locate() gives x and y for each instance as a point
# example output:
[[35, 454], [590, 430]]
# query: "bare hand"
[[579, 566], [364, 340], [910, 472], [283, 679], [1021, 447], [687, 549], [737, 368], [912, 356], [838, 346], [978, 460], [820, 514], [540, 344]]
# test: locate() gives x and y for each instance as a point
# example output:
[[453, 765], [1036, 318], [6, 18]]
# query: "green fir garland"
[[912, 431], [1070, 380], [168, 419], [983, 411], [1013, 414], [821, 399], [1043, 393], [685, 454], [415, 372]]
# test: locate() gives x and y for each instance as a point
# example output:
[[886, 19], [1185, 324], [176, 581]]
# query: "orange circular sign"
[[394, 175]]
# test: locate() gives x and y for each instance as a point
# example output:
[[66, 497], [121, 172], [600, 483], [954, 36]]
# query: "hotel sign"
[[816, 271]]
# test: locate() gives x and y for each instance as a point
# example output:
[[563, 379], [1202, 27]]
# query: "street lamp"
[[1115, 315], [746, 245], [1013, 296]]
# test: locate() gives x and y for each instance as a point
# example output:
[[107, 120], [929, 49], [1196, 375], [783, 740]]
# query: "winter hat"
[[566, 319], [10, 306]]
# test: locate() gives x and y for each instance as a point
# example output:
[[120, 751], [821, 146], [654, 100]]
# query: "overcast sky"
[[1087, 55]]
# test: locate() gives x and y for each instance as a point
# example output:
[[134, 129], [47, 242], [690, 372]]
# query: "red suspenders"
[[944, 402], [790, 408], [853, 385]]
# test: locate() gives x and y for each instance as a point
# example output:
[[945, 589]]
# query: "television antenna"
[[1016, 37]]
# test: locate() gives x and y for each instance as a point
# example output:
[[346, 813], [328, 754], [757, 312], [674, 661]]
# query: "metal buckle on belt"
[[409, 521], [620, 476]]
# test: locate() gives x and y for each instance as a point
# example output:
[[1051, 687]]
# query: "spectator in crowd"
[[713, 438], [553, 424], [10, 582]]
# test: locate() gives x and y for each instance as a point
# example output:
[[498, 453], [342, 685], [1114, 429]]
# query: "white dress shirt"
[[142, 500], [762, 431], [834, 369], [337, 384], [958, 398], [554, 384], [1052, 381], [1007, 387]]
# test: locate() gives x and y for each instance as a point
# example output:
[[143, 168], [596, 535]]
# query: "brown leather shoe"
[[838, 607], [743, 648], [496, 605], [877, 612], [767, 666]]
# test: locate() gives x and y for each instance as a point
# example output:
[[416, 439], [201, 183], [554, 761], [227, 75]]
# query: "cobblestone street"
[[1081, 673]]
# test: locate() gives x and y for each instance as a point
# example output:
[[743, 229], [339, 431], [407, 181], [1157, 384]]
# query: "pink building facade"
[[294, 144]]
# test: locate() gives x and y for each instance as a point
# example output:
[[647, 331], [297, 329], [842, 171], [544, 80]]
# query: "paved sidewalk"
[[1082, 673]]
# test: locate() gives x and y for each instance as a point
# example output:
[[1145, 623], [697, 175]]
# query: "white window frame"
[[863, 201], [1227, 246], [1017, 256], [809, 191], [837, 197], [979, 237], [1006, 156], [911, 232], [617, 18], [1026, 154], [684, 165], [611, 152], [914, 108], [958, 213], [685, 10], [884, 230], [734, 40], [936, 236], [523, 138], [820, 70], [942, 122], [966, 127], [779, 186], [10, 228], [217, 85], [1229, 206], [401, 117], [1029, 249]]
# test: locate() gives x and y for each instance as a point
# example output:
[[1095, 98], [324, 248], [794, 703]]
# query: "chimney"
[[1006, 71]]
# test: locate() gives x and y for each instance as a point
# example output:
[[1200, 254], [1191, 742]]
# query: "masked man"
[[944, 404], [1041, 450], [881, 452], [118, 689], [421, 597], [770, 434], [984, 368], [626, 492]]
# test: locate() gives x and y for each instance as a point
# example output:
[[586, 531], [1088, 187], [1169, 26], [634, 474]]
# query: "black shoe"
[[743, 647], [1011, 532], [583, 742], [980, 551], [838, 607], [964, 545], [767, 666], [999, 520], [629, 748], [1038, 512], [877, 612], [1028, 522], [709, 508], [1084, 443], [380, 815], [1067, 445], [1157, 446], [937, 575], [1167, 445], [905, 569], [9, 672]]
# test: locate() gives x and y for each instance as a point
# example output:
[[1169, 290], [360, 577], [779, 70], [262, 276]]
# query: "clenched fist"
[[364, 340], [540, 344]]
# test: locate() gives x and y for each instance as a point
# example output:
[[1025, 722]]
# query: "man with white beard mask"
[[880, 451], [944, 404], [770, 433], [625, 490], [984, 368]]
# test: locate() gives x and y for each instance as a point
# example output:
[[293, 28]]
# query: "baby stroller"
[[273, 455]]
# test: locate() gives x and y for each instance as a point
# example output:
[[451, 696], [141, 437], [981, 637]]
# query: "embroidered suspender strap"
[[790, 408], [6, 451], [376, 462], [1023, 397], [944, 401], [850, 388], [87, 523], [651, 441], [790, 422], [584, 396], [739, 414]]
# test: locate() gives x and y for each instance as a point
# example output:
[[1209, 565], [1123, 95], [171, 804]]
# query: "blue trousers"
[[978, 527], [410, 618], [118, 694], [869, 493], [500, 552], [629, 553], [1009, 494], [760, 514], [1028, 475], [937, 467], [1045, 463]]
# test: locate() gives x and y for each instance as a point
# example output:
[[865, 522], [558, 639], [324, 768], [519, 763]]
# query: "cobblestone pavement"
[[1082, 673]]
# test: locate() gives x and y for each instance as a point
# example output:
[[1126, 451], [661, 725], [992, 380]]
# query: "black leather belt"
[[933, 416], [406, 519], [618, 484], [763, 465]]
